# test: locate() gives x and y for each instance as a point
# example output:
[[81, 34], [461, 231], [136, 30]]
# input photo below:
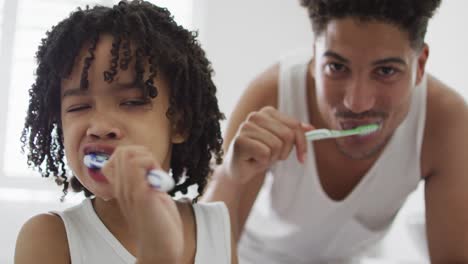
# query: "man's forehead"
[[355, 28], [354, 40]]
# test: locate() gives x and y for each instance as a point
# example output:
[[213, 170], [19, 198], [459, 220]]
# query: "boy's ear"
[[179, 133], [178, 138]]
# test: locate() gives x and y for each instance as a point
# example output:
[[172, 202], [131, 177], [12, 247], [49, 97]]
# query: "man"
[[336, 197]]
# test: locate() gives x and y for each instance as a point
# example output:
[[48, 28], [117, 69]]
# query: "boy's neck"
[[111, 216], [109, 212]]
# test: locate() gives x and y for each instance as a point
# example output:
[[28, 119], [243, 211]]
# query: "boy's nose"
[[103, 128]]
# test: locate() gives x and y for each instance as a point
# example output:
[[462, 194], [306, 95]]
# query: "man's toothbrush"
[[158, 179], [319, 134]]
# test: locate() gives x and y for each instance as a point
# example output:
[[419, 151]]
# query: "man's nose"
[[359, 96]]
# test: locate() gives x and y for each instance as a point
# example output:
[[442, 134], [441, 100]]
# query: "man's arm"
[[446, 187], [239, 198]]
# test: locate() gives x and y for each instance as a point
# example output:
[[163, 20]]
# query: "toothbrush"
[[319, 134], [158, 179]]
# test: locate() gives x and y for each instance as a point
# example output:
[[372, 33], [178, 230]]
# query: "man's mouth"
[[346, 125]]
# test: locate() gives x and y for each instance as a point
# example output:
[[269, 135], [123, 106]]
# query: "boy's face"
[[108, 115], [364, 73]]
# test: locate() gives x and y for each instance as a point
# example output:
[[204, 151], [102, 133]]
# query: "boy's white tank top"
[[91, 242], [294, 221]]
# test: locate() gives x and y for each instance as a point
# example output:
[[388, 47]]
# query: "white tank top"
[[294, 221], [91, 242]]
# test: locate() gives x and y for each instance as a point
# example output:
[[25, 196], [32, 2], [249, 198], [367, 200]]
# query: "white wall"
[[242, 38], [448, 41]]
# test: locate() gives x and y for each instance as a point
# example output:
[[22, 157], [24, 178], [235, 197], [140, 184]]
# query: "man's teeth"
[[348, 126]]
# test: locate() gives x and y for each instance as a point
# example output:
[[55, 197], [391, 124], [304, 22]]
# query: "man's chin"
[[360, 153]]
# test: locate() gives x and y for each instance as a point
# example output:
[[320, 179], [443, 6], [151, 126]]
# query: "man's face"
[[364, 74]]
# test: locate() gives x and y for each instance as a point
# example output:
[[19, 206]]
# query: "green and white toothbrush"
[[319, 134]]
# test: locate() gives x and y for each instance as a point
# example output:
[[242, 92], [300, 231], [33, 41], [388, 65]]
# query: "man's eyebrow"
[[336, 56], [375, 63], [390, 60]]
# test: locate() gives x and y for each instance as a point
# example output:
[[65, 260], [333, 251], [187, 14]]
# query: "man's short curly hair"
[[411, 16], [168, 48]]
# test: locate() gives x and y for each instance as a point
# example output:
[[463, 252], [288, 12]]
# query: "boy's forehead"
[[103, 49], [114, 87], [101, 63]]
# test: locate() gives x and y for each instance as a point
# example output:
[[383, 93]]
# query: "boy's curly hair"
[[169, 49], [410, 15]]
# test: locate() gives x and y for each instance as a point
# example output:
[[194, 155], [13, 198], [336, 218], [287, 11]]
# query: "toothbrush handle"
[[160, 180], [318, 134]]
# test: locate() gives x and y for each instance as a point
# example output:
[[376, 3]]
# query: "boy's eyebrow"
[[74, 92], [115, 86]]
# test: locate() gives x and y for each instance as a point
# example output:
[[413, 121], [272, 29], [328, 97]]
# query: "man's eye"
[[386, 71], [336, 67]]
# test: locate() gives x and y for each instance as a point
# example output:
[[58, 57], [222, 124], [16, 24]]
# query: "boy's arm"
[[446, 188], [42, 239]]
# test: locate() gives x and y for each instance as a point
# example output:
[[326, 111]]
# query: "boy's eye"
[[77, 108], [135, 102]]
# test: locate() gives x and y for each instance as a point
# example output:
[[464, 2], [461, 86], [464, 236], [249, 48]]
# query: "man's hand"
[[264, 138]]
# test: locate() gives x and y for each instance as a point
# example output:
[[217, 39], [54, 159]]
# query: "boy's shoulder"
[[42, 237]]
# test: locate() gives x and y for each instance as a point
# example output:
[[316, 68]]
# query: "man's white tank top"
[[91, 242], [294, 221]]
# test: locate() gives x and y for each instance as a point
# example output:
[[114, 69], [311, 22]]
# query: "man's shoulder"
[[446, 120], [445, 107]]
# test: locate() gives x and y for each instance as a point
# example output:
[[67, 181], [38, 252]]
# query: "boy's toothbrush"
[[319, 134], [158, 179]]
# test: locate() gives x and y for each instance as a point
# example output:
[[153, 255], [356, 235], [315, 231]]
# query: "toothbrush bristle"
[[368, 129], [94, 160]]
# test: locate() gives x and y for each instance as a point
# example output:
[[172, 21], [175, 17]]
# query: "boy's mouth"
[[99, 150], [97, 175]]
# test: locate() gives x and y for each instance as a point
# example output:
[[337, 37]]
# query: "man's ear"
[[422, 60]]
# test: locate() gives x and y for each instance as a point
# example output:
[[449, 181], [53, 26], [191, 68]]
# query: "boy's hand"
[[152, 215]]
